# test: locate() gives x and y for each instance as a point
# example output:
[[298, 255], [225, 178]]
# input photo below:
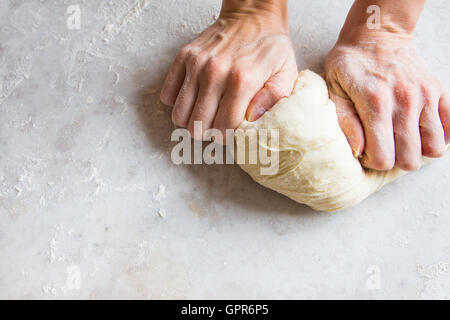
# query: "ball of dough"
[[316, 165]]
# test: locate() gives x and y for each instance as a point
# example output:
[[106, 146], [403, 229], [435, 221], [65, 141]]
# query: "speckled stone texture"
[[92, 207]]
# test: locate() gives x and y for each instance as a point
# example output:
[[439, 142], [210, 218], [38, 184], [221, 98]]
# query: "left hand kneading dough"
[[316, 165]]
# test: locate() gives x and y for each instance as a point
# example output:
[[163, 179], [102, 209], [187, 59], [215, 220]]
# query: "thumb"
[[278, 86], [350, 124]]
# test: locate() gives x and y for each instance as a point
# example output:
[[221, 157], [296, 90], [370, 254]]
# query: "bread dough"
[[316, 164]]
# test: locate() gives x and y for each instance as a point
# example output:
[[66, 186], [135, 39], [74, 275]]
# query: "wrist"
[[375, 19], [269, 12]]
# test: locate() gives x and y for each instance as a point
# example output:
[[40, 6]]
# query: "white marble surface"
[[84, 147]]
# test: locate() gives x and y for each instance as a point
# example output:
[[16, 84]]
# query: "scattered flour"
[[161, 193], [52, 249], [437, 283], [162, 213]]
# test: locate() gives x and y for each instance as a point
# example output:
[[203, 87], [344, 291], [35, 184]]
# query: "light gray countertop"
[[85, 167]]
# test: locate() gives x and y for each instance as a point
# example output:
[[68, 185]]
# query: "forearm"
[[397, 17], [276, 10]]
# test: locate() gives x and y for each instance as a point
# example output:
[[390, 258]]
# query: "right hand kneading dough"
[[316, 164]]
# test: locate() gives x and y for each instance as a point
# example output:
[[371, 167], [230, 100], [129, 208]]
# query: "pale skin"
[[390, 106]]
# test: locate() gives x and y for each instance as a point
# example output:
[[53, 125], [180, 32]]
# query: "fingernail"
[[256, 113]]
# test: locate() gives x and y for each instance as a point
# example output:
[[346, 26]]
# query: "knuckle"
[[194, 60], [374, 94], [215, 68], [405, 110], [409, 164], [435, 153], [377, 100], [183, 53], [433, 150], [240, 77], [382, 162], [406, 98]]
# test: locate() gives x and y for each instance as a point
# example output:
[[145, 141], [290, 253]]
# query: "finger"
[[444, 114], [238, 94], [184, 103], [408, 146], [188, 93], [278, 86], [174, 80], [209, 95], [375, 112], [350, 124], [431, 130]]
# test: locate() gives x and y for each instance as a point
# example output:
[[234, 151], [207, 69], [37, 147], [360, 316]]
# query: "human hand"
[[241, 65], [391, 107]]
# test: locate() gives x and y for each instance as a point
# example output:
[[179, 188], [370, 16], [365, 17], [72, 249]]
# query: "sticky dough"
[[316, 164]]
